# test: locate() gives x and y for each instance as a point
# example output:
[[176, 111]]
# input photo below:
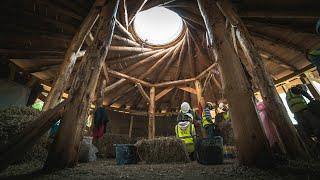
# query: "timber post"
[[130, 126], [275, 107], [151, 123], [70, 58], [252, 143], [201, 102], [65, 148]]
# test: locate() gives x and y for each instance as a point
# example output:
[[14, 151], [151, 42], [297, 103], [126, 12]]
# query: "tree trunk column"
[[275, 107], [201, 102], [252, 143], [70, 58], [65, 148], [151, 125]]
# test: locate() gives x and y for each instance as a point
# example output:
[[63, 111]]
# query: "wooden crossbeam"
[[188, 89], [163, 93], [143, 92], [136, 6], [133, 79]]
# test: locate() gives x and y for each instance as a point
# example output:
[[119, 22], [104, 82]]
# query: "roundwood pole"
[[151, 113], [70, 58], [201, 102], [252, 143], [275, 108], [65, 148]]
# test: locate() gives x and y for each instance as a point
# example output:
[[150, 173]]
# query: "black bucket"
[[209, 151], [126, 154]]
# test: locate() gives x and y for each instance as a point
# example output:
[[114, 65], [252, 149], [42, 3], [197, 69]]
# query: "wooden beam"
[[143, 92], [124, 31], [140, 113], [275, 108], [296, 73], [163, 93], [135, 7], [123, 13], [154, 3], [130, 126], [278, 42], [132, 79], [174, 83], [245, 121], [70, 58], [136, 57], [151, 112], [125, 41], [64, 151], [105, 72], [276, 59], [129, 49], [188, 89], [114, 85]]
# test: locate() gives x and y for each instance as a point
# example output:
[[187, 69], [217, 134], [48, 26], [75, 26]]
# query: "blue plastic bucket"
[[126, 154], [210, 150]]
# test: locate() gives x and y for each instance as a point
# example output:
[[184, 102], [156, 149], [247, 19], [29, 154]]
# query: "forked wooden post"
[[275, 107], [252, 143], [65, 149], [151, 124], [70, 58]]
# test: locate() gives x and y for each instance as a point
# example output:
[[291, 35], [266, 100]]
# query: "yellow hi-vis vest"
[[205, 122], [186, 136], [295, 102]]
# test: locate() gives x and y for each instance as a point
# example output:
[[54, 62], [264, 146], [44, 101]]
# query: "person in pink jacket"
[[269, 128]]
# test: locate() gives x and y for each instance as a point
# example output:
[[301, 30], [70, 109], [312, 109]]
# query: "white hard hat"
[[221, 105], [185, 107]]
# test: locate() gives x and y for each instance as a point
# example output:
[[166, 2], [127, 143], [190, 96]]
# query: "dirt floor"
[[107, 169]]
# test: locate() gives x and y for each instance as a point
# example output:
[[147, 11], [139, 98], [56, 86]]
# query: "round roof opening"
[[158, 26]]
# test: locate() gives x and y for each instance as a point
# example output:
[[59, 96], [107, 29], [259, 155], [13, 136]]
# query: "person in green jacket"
[[307, 121]]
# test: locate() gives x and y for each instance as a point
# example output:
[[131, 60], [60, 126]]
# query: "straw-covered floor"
[[107, 169]]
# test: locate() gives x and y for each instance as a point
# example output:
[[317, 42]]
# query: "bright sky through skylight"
[[158, 25]]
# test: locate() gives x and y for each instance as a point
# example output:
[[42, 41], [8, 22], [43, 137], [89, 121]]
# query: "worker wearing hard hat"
[[185, 131], [186, 113], [207, 120]]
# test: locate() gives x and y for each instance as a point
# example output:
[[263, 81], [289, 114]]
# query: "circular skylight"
[[158, 26]]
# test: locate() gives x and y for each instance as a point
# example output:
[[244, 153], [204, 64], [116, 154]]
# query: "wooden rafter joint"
[[163, 93], [188, 89], [143, 92]]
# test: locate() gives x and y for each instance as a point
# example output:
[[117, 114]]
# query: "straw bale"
[[13, 120], [162, 150]]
